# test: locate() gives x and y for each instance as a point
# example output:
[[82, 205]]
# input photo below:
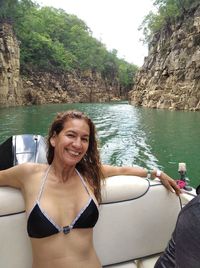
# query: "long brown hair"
[[90, 164]]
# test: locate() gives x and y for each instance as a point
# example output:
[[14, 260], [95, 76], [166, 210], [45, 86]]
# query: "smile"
[[74, 153]]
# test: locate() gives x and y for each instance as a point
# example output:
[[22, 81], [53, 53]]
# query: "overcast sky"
[[114, 22]]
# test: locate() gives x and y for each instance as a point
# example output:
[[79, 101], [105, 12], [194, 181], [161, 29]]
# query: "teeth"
[[74, 153]]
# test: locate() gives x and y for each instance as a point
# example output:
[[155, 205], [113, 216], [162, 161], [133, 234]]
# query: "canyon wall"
[[170, 75], [11, 92], [41, 88]]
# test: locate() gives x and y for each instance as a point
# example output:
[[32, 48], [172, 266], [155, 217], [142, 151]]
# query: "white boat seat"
[[137, 217], [15, 244]]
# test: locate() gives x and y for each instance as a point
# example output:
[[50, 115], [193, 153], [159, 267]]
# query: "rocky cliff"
[[40, 88], [10, 83], [170, 75], [43, 88]]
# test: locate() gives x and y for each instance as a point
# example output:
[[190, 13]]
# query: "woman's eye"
[[85, 139], [70, 135]]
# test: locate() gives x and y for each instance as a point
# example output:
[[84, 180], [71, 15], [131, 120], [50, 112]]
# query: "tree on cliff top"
[[167, 11]]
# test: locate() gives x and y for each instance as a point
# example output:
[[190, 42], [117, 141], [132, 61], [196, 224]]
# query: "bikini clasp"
[[66, 229]]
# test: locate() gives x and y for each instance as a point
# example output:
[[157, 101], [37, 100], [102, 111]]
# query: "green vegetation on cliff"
[[52, 40], [167, 11]]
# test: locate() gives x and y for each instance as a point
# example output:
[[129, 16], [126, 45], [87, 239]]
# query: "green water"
[[128, 135]]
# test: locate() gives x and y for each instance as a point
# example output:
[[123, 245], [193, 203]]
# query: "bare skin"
[[63, 197]]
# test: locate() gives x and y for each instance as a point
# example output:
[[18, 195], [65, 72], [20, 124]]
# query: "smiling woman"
[[61, 197], [73, 140]]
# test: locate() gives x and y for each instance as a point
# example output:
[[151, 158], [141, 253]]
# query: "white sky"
[[114, 22]]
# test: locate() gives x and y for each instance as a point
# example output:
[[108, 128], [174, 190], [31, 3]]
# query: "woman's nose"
[[77, 142]]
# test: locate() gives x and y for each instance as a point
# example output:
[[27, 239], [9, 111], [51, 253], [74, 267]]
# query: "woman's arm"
[[109, 171], [14, 176], [167, 181]]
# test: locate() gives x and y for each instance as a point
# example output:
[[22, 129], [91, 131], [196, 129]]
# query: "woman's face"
[[71, 144]]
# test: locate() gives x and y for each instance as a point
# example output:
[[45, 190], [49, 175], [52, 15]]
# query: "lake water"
[[128, 135]]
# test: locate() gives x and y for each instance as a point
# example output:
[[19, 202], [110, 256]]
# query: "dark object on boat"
[[6, 154], [198, 190], [22, 148]]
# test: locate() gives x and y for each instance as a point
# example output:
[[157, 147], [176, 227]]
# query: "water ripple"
[[122, 140]]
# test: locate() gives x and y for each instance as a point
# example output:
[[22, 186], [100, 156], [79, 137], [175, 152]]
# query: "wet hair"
[[90, 164]]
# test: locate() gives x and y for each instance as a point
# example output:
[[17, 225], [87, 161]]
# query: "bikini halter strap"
[[83, 181], [43, 182]]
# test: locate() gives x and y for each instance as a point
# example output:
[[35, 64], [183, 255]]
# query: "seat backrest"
[[137, 217], [15, 244]]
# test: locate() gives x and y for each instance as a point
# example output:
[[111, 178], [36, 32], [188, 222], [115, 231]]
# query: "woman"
[[62, 197]]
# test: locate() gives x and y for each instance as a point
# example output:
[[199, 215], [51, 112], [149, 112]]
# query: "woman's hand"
[[169, 183]]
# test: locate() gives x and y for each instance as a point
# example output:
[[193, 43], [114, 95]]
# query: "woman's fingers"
[[170, 184]]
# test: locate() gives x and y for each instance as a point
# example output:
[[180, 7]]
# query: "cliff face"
[[10, 82], [40, 88], [43, 88], [170, 76]]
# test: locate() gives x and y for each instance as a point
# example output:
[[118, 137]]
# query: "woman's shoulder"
[[32, 178], [31, 166], [27, 172], [30, 169]]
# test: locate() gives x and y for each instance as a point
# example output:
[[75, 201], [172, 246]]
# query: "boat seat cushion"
[[15, 244], [137, 218]]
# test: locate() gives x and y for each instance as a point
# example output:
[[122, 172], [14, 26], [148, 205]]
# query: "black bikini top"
[[41, 225]]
